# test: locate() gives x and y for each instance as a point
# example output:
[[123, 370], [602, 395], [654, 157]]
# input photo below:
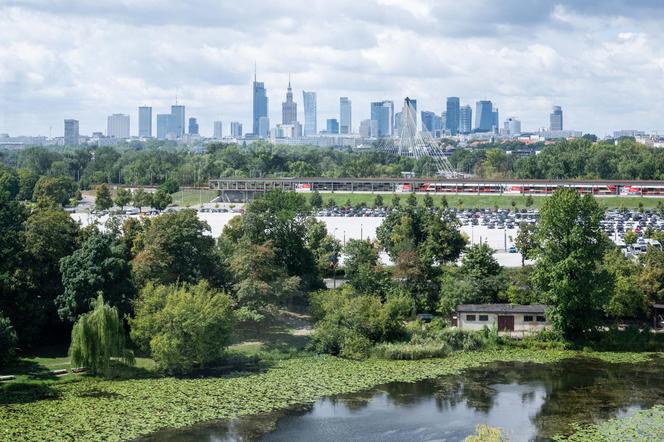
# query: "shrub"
[[355, 346], [7, 340], [412, 351], [183, 326], [484, 433]]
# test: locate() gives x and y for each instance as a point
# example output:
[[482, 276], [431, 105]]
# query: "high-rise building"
[[512, 126], [263, 127], [397, 123], [556, 118], [289, 107], [452, 116], [236, 129], [71, 133], [310, 116], [117, 126], [383, 113], [431, 122], [193, 126], [368, 128], [177, 114], [165, 126], [260, 105], [484, 117], [465, 120], [144, 122], [443, 121], [496, 120], [332, 126], [217, 132], [345, 116]]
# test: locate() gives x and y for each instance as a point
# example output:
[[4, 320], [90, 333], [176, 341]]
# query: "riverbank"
[[88, 408]]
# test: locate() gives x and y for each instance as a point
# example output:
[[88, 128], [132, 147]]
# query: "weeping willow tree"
[[98, 337]]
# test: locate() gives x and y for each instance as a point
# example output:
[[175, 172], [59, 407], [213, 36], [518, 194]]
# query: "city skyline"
[[603, 68]]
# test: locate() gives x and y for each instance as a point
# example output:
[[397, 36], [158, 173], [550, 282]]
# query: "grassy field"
[[488, 201], [193, 197]]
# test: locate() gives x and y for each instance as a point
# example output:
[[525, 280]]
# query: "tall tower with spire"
[[289, 107], [260, 107]]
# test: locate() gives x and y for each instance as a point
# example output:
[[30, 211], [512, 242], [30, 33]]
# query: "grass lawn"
[[193, 197], [487, 201]]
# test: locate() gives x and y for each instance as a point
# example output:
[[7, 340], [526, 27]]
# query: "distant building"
[[431, 122], [236, 129], [465, 125], [366, 128], [117, 126], [217, 130], [452, 115], [505, 317], [177, 120], [71, 133], [383, 113], [193, 126], [263, 127], [165, 126], [512, 126], [345, 116], [260, 108], [310, 115], [332, 126], [496, 120], [289, 107], [145, 122], [288, 130], [556, 119], [628, 133], [397, 123], [484, 116]]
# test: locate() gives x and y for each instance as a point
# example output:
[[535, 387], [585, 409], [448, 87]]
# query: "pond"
[[528, 401]]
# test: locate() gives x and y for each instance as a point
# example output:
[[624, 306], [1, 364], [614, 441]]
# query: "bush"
[[184, 326], [467, 340], [7, 340], [412, 351], [355, 346]]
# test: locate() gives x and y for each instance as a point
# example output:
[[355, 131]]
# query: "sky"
[[601, 60]]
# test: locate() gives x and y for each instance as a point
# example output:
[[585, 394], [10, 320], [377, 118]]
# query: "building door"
[[505, 323]]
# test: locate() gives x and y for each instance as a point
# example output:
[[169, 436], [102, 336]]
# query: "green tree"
[[170, 186], [378, 201], [122, 197], [58, 189], [396, 201], [177, 247], [324, 247], [529, 201], [97, 337], [99, 265], [27, 181], [9, 182], [183, 326], [568, 272], [525, 241], [362, 268], [8, 340], [141, 198], [411, 201], [161, 199], [316, 200], [627, 299], [428, 201], [103, 199], [630, 237]]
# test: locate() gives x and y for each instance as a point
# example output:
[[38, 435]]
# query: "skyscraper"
[[117, 126], [383, 113], [164, 126], [71, 133], [512, 126], [452, 116], [236, 129], [556, 118], [260, 105], [193, 126], [496, 120], [144, 122], [310, 125], [289, 107], [263, 127], [332, 126], [465, 122], [177, 120], [345, 116], [484, 117], [431, 122], [217, 132]]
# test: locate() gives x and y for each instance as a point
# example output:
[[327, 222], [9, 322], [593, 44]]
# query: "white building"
[[117, 126], [506, 317], [218, 130]]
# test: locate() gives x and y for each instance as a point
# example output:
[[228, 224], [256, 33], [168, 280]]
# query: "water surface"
[[528, 401]]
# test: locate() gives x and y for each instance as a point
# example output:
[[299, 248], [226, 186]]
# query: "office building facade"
[[512, 126], [382, 112], [193, 126], [465, 123], [332, 126], [177, 121], [484, 116], [71, 132], [236, 129], [310, 113], [164, 126], [145, 122], [260, 107], [452, 115], [217, 130], [117, 126], [431, 122], [263, 127], [345, 116], [289, 107], [556, 118]]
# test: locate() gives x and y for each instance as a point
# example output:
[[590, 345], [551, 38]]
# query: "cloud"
[[600, 60]]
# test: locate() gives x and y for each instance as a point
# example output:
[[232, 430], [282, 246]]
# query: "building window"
[[484, 318], [470, 317], [541, 319], [527, 318]]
